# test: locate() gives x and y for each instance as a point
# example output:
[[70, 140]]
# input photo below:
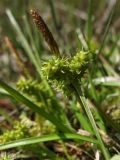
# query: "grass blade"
[[46, 138], [89, 22], [86, 108], [90, 116], [21, 36], [23, 41], [81, 118], [20, 98], [107, 29], [111, 84], [107, 81]]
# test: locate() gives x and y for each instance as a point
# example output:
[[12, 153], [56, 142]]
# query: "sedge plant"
[[60, 74]]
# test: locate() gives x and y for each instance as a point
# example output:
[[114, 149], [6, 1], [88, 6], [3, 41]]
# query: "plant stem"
[[89, 22], [82, 101], [54, 15], [107, 29]]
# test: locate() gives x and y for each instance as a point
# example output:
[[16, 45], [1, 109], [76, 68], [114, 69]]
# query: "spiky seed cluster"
[[65, 72], [37, 92], [79, 62], [33, 90], [20, 131], [45, 32], [56, 68], [32, 87], [27, 86], [25, 128]]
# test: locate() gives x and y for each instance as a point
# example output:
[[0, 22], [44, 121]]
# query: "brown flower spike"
[[45, 32]]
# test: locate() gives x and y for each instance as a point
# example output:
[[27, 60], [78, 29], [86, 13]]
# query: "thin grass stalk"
[[14, 51], [92, 121], [22, 38], [89, 22], [53, 12], [37, 55], [46, 138], [107, 29], [82, 39], [94, 94], [81, 118], [114, 46], [97, 114]]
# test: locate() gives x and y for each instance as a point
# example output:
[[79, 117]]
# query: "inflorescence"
[[64, 72]]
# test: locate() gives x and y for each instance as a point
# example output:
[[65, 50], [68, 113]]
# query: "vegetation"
[[60, 99]]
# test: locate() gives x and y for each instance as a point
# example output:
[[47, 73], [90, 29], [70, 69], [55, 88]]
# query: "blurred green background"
[[67, 10], [63, 17]]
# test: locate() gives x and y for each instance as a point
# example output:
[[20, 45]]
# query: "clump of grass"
[[39, 94]]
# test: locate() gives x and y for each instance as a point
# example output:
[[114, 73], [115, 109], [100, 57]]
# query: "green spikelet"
[[33, 90], [79, 63], [27, 86], [19, 131], [65, 72], [32, 87], [56, 68], [24, 128]]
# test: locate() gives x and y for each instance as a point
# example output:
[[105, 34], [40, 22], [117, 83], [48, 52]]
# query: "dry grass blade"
[[19, 61], [45, 32]]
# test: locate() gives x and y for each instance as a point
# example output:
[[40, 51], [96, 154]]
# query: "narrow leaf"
[[22, 99], [45, 138]]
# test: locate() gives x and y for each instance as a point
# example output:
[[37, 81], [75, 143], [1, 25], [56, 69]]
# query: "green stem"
[[82, 101], [107, 29], [89, 21], [53, 12]]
